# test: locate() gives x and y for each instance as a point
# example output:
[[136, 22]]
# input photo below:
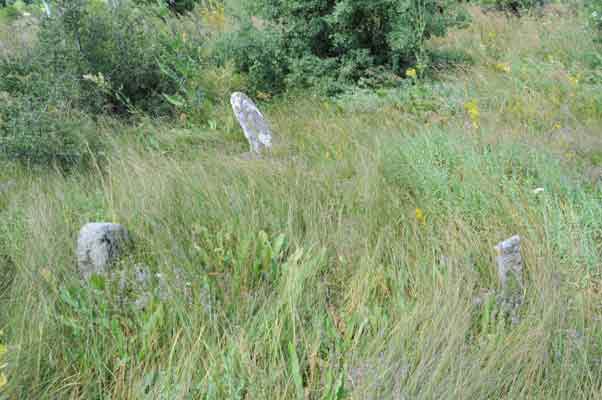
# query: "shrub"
[[51, 67], [312, 42], [41, 118], [90, 38], [259, 54], [88, 60], [177, 6], [517, 7], [46, 132], [9, 14], [594, 8], [123, 45], [197, 92]]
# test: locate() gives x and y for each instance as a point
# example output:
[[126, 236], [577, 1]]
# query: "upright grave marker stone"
[[254, 125]]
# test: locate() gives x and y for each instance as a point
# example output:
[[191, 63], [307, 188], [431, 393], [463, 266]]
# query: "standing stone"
[[510, 273], [99, 245], [510, 263], [254, 125]]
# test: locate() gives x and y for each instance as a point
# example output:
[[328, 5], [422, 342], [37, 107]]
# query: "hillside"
[[354, 261]]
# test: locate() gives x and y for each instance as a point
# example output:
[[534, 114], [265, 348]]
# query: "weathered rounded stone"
[[98, 246]]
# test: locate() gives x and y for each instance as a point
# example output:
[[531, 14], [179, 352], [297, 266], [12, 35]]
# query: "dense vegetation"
[[332, 44], [355, 261]]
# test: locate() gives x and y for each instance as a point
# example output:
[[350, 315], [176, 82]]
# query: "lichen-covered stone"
[[98, 246], [510, 263], [510, 272], [254, 125]]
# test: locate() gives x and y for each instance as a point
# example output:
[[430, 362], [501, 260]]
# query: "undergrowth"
[[356, 262]]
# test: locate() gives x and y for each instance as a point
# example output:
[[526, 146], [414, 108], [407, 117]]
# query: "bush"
[[594, 8], [91, 58], [335, 42], [122, 45], [46, 132], [178, 6], [197, 91], [88, 60], [9, 14], [42, 121], [517, 7], [259, 54], [90, 39]]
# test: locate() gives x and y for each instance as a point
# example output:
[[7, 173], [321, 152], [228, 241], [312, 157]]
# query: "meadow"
[[354, 262]]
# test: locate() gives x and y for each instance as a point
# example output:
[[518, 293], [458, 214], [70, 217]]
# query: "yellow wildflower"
[[215, 18], [411, 73], [420, 216], [472, 108], [3, 380], [264, 96], [502, 67], [574, 80], [47, 275]]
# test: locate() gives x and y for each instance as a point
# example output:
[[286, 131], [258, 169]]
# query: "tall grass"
[[308, 274]]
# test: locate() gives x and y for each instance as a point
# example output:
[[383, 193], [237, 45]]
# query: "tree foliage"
[[338, 40], [178, 6], [89, 59]]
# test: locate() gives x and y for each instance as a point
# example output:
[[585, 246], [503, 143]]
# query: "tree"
[[340, 40]]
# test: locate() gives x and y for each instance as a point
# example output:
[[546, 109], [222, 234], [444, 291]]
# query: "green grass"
[[309, 274]]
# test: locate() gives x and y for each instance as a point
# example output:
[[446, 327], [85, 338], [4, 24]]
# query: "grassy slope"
[[310, 273]]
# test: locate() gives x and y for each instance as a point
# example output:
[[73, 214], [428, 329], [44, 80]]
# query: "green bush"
[[42, 118], [123, 45], [178, 6], [259, 54], [334, 43], [594, 9], [515, 7], [9, 14], [46, 132], [52, 67], [90, 39], [89, 60], [200, 86]]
